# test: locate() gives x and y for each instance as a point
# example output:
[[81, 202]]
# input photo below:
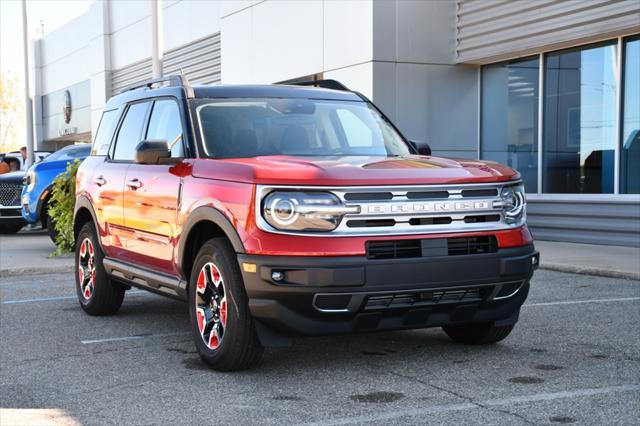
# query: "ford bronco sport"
[[279, 211]]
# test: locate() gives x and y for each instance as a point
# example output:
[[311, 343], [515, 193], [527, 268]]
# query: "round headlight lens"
[[513, 203], [302, 211]]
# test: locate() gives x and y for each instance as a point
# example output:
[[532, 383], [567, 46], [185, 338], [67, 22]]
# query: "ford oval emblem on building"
[[66, 108]]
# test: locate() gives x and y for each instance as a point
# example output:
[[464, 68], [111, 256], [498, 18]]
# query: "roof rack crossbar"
[[325, 84], [176, 80]]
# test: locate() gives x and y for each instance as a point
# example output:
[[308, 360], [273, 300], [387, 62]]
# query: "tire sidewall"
[[214, 252]]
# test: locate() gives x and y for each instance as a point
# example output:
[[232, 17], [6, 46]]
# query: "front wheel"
[[51, 228], [98, 294], [478, 334], [223, 328]]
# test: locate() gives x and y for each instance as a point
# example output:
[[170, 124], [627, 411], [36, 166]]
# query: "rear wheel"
[[98, 294], [478, 334], [222, 326]]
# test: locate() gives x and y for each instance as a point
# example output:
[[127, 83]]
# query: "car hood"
[[12, 177], [344, 171]]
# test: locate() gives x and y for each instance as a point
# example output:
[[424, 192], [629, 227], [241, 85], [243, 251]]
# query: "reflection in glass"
[[579, 120], [510, 117], [630, 152]]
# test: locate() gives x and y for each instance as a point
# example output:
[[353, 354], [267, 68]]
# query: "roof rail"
[[325, 84], [177, 80]]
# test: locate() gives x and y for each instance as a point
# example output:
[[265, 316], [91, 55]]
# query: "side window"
[[130, 132], [105, 132], [165, 125]]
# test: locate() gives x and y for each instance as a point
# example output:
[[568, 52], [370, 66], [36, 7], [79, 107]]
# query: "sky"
[[50, 13]]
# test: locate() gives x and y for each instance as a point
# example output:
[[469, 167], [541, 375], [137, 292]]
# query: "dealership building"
[[551, 88]]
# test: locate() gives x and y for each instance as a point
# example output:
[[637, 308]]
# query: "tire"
[[51, 229], [97, 293], [223, 328], [10, 229], [478, 334]]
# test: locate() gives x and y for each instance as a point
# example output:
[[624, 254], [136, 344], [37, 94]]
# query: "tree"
[[12, 117]]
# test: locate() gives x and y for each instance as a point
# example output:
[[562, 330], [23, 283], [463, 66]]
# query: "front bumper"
[[11, 215], [329, 295]]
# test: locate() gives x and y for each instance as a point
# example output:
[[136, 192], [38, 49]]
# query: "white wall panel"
[[67, 39], [420, 31], [66, 71], [227, 7], [237, 48], [124, 13], [188, 20], [287, 40], [348, 33]]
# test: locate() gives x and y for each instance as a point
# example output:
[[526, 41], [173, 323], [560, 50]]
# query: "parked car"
[[38, 183], [279, 211], [11, 220], [16, 156]]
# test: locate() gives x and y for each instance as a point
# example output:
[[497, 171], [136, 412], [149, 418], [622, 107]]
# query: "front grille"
[[425, 298], [410, 209], [472, 245], [10, 194], [400, 249], [405, 249]]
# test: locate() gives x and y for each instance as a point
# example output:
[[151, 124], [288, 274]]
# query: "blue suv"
[[38, 183]]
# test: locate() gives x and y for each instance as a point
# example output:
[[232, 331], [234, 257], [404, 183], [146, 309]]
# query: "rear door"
[[109, 178], [152, 193]]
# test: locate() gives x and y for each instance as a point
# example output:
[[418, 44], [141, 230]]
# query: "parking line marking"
[[135, 337], [576, 302], [551, 396], [50, 299]]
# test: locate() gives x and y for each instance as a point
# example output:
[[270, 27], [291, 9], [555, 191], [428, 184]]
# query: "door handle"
[[99, 181], [134, 183]]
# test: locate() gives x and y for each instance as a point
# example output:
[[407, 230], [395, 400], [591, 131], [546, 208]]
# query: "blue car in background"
[[38, 183]]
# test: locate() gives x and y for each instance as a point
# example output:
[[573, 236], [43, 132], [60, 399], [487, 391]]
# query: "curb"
[[586, 270], [16, 272]]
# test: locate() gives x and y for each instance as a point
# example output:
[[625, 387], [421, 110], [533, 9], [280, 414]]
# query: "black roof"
[[236, 91]]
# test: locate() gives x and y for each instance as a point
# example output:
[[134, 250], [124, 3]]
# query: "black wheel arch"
[[203, 223], [83, 213]]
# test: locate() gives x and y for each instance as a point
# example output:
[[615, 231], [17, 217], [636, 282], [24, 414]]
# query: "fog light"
[[277, 276]]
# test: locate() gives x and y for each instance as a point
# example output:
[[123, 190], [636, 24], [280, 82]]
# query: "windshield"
[[240, 128]]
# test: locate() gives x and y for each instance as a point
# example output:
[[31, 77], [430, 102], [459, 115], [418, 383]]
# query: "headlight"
[[513, 203], [304, 211], [29, 180]]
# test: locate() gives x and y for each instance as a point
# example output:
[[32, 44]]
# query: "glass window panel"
[[580, 120], [165, 124], [130, 131], [509, 128], [630, 152]]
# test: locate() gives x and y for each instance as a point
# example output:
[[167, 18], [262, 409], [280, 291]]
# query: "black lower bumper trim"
[[325, 295]]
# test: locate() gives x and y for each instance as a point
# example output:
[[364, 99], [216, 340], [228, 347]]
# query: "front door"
[[109, 179], [152, 193]]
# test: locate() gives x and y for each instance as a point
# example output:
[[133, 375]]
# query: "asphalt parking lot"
[[573, 358]]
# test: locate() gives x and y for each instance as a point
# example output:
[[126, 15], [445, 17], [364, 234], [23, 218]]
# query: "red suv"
[[279, 211]]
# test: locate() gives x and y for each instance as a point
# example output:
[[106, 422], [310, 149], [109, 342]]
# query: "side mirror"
[[421, 148], [152, 152]]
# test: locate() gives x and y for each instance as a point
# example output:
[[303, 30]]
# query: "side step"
[[146, 279]]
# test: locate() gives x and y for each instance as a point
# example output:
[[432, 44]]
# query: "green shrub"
[[61, 205]]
